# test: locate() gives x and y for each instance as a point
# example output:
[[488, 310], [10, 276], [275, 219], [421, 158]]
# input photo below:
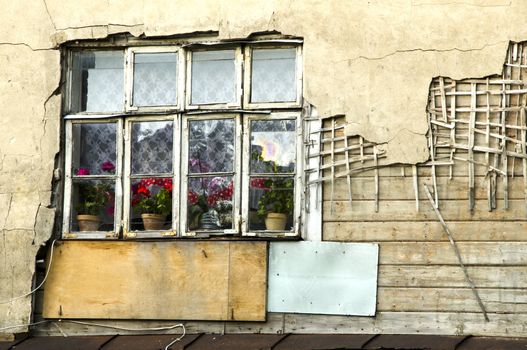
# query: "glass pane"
[[213, 77], [93, 205], [94, 151], [151, 204], [271, 203], [210, 203], [273, 146], [273, 75], [152, 147], [211, 146], [155, 79], [97, 81]]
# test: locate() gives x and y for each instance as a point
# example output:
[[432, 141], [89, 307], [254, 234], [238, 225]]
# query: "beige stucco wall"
[[369, 60]]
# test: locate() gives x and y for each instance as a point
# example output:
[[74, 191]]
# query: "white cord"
[[40, 285], [177, 339], [179, 325], [126, 328]]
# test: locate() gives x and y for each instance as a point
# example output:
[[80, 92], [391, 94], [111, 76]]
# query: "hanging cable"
[[41, 283]]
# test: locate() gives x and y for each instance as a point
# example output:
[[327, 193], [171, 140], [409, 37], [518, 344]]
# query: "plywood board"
[[157, 280], [303, 274]]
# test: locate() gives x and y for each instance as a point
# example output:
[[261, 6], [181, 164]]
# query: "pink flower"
[[107, 166], [83, 171]]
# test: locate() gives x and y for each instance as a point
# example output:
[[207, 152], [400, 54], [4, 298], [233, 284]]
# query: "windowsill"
[[161, 238]]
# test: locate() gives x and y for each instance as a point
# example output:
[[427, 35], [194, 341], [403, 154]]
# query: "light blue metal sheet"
[[323, 278]]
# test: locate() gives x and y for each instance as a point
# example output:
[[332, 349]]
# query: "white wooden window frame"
[[247, 75], [297, 176], [179, 84], [68, 183], [241, 176], [69, 82], [128, 177], [236, 174], [238, 64]]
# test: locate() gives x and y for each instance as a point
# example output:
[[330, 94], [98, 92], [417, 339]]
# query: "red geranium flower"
[[144, 191], [167, 186]]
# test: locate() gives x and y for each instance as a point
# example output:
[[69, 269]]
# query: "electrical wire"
[[143, 329], [165, 328], [41, 283], [177, 339]]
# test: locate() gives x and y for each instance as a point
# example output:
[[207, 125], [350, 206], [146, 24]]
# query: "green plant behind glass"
[[93, 198], [278, 197]]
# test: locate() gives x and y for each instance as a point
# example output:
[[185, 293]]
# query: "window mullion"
[[129, 79], [126, 183], [245, 177], [176, 168], [299, 181], [118, 189], [66, 219], [237, 178], [184, 180]]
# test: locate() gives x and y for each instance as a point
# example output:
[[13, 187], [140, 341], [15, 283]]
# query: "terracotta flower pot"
[[275, 221], [153, 221], [88, 222]]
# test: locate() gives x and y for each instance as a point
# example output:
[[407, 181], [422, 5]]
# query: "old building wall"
[[371, 61]]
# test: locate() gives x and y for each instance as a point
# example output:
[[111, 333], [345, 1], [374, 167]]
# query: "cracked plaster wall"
[[371, 61]]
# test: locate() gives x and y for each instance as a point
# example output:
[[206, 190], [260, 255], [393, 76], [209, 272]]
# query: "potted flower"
[[277, 202], [211, 207], [152, 198], [93, 198]]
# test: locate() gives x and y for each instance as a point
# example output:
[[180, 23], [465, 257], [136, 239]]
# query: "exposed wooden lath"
[[481, 122], [482, 117]]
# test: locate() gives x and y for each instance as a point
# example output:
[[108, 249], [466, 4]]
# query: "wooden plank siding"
[[404, 210], [421, 287]]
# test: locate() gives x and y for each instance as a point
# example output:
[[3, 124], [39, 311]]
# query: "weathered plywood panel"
[[151, 280], [452, 276], [405, 211], [425, 231], [442, 253], [247, 280], [451, 300]]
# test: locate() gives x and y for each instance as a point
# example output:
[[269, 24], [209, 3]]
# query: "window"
[[178, 141]]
